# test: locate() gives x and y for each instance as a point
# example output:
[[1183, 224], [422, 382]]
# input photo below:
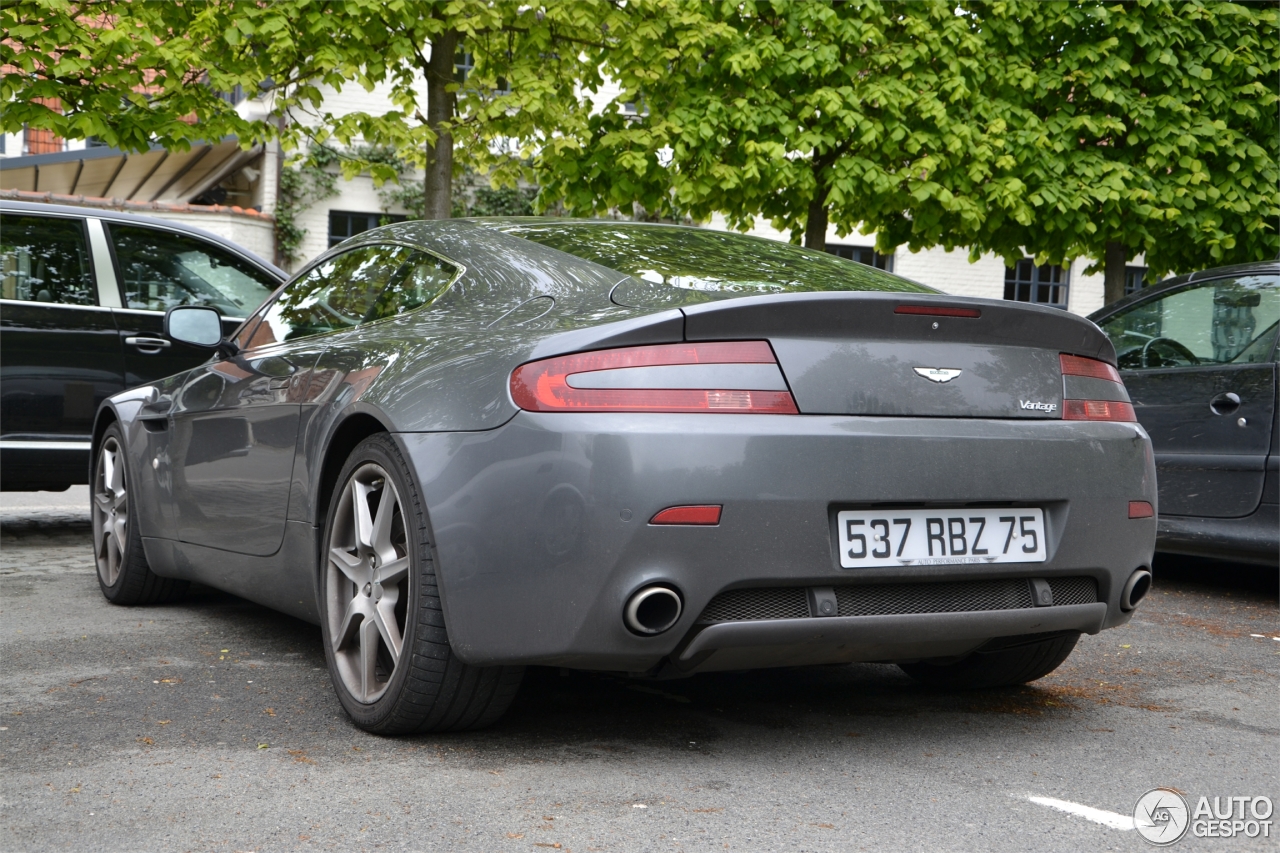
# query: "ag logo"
[[1161, 816], [937, 374]]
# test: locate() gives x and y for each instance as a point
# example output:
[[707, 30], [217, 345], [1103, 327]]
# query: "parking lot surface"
[[211, 725]]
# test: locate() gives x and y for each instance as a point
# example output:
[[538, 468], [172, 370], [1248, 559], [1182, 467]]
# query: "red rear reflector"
[[937, 311], [706, 515], [1141, 509], [1097, 410], [542, 386], [1074, 365]]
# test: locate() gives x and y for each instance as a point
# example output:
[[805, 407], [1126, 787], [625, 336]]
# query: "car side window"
[[338, 294], [160, 269], [45, 259], [421, 280], [1223, 321]]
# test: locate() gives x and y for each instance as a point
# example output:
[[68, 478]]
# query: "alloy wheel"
[[110, 512], [367, 583]]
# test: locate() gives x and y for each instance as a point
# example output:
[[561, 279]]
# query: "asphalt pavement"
[[211, 725]]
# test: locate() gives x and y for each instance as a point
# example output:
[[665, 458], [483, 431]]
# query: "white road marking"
[[1111, 819]]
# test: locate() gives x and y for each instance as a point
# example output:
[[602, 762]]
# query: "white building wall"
[[1086, 294], [359, 194], [353, 98], [951, 271], [257, 234], [355, 196]]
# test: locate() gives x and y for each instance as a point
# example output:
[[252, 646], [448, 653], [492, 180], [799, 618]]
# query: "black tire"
[[424, 687], [1016, 664], [123, 574]]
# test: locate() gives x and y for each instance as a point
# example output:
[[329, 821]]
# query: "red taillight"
[[1074, 365], [1097, 410], [706, 515], [1141, 509], [542, 386], [1094, 410], [938, 311]]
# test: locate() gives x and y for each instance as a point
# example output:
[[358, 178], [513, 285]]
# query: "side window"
[[160, 269], [45, 259], [335, 295], [1225, 321], [423, 279]]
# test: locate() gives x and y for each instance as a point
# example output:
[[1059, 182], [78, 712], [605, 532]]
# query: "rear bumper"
[[541, 528], [786, 642], [1252, 539]]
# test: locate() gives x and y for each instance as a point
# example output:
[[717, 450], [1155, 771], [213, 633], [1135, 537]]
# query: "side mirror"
[[196, 325]]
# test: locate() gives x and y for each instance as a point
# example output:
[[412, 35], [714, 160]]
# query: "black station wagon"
[[83, 293]]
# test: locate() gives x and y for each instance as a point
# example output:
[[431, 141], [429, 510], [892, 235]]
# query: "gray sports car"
[[464, 447]]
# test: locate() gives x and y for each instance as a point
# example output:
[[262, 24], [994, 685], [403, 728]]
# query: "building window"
[[863, 255], [344, 223], [234, 97], [1044, 285], [1135, 278], [464, 63]]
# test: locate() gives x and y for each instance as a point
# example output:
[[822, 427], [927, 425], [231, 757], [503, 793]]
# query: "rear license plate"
[[930, 537]]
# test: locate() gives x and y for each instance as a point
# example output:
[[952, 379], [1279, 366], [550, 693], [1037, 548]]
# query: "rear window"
[[719, 264]]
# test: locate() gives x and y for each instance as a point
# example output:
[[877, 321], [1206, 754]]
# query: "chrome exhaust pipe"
[[652, 610], [1136, 589]]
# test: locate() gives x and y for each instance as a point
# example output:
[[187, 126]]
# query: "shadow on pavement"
[[1216, 574]]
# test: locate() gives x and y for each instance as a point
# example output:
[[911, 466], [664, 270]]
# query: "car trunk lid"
[[909, 355]]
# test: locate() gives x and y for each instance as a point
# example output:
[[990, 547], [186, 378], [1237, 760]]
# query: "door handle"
[[1224, 403], [149, 346]]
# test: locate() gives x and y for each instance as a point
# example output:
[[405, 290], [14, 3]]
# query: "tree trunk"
[[815, 226], [1113, 272], [438, 200]]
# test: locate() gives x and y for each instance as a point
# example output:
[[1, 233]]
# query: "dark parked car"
[[82, 299], [467, 446], [1198, 355]]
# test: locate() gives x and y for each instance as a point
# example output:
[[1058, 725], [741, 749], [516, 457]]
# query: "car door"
[[159, 269], [59, 352], [1199, 365], [234, 421]]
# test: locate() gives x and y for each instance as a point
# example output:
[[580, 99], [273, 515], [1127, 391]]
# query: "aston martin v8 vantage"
[[466, 447]]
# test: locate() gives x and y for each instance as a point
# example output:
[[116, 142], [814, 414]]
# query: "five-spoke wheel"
[[110, 511], [367, 588], [123, 573], [381, 616]]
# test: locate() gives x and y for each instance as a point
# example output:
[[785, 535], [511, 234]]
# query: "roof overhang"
[[154, 175]]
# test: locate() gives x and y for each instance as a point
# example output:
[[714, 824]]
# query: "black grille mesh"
[[1074, 590], [954, 597], [745, 605]]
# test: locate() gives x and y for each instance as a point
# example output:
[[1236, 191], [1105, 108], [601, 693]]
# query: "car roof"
[[1254, 268], [8, 206]]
